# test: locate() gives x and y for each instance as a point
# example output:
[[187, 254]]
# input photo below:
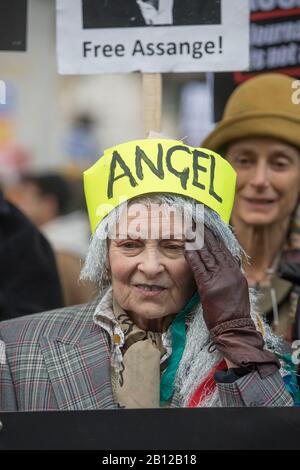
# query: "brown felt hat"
[[261, 106]]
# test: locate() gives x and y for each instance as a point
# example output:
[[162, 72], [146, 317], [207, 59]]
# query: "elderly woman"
[[173, 324], [259, 135]]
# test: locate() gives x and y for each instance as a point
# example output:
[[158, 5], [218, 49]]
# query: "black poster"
[[274, 47], [13, 25], [252, 428], [128, 13]]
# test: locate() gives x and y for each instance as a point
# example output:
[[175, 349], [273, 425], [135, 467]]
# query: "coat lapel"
[[79, 370]]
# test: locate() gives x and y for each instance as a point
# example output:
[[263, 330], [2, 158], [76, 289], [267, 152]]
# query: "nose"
[[151, 263], [260, 176]]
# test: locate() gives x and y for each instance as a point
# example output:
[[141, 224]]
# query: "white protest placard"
[[120, 36]]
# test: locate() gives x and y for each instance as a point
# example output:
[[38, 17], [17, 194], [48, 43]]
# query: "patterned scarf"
[[137, 384]]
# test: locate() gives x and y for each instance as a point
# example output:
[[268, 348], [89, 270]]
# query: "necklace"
[[270, 275]]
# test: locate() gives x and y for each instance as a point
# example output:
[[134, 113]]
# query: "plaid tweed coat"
[[60, 360]]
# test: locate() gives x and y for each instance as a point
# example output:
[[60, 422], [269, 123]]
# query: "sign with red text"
[[119, 36], [274, 47]]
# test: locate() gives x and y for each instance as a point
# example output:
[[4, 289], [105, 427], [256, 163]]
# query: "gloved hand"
[[224, 294]]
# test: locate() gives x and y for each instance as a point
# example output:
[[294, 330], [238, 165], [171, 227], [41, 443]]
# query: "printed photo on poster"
[[136, 13]]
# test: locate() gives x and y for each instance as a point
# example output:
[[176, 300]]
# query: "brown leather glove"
[[224, 294]]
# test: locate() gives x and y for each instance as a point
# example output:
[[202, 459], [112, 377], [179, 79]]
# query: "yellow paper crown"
[[148, 166]]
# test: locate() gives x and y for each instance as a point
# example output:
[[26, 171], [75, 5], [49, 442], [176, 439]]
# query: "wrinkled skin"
[[224, 294]]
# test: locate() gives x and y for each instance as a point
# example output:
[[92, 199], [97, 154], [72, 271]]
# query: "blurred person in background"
[[80, 143], [259, 135], [46, 201], [29, 278]]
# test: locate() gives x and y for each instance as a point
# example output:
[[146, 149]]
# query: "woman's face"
[[268, 180], [151, 278]]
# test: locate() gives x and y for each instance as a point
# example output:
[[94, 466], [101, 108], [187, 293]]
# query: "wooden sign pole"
[[152, 100]]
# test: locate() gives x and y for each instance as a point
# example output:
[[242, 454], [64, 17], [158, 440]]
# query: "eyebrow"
[[246, 150], [281, 153], [117, 239]]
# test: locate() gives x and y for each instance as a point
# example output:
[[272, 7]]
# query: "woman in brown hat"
[[260, 136]]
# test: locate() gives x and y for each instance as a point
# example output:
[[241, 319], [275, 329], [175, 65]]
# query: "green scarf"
[[178, 335]]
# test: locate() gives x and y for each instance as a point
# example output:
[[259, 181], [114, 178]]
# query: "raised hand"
[[222, 287], [224, 294]]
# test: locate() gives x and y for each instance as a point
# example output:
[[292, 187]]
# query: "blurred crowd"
[[44, 217]]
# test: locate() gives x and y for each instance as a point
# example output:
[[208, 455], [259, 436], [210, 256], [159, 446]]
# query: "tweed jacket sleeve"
[[252, 390], [7, 393], [57, 360]]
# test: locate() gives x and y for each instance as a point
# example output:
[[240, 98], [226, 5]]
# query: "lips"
[[150, 287], [260, 203], [150, 290]]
